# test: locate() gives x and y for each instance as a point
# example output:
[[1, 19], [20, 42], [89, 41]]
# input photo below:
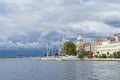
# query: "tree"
[[111, 56], [97, 52], [69, 48], [96, 56], [116, 54], [84, 53], [108, 53], [103, 56], [80, 55], [56, 54]]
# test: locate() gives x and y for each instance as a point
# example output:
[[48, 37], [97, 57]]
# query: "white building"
[[108, 48], [79, 43]]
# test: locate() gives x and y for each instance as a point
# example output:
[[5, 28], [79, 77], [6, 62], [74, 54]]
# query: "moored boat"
[[69, 58]]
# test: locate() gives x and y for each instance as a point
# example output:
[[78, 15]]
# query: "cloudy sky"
[[32, 23]]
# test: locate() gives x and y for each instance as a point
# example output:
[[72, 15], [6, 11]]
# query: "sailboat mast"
[[52, 48], [47, 49]]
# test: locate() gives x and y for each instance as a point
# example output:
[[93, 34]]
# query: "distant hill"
[[22, 52]]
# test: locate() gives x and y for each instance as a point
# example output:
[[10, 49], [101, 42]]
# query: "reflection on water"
[[27, 69]]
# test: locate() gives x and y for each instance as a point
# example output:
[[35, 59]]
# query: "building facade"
[[107, 45], [87, 47], [110, 48]]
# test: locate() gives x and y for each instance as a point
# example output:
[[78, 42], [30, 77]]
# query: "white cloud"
[[28, 45], [16, 45], [51, 19]]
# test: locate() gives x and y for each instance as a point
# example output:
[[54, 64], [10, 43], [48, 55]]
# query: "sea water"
[[28, 69]]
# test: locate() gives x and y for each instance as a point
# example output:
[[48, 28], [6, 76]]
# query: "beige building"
[[87, 47], [107, 47], [110, 46]]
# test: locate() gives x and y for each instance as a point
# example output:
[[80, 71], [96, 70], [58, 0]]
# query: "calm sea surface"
[[28, 69]]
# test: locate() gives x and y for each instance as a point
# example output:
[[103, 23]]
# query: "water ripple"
[[27, 69]]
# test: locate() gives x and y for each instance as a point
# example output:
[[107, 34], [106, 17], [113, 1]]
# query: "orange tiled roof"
[[98, 41]]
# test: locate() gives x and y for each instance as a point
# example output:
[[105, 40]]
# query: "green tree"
[[103, 56], [97, 52], [96, 56], [69, 48], [116, 54], [80, 55], [111, 56], [84, 53]]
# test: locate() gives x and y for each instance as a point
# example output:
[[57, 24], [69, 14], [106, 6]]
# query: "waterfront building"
[[94, 45], [101, 46], [108, 48], [87, 46]]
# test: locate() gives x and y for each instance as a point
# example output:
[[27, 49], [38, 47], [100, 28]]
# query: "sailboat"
[[49, 57]]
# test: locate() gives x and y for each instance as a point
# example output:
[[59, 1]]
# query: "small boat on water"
[[69, 58], [48, 58]]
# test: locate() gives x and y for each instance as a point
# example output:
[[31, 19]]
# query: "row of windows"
[[109, 46], [108, 50]]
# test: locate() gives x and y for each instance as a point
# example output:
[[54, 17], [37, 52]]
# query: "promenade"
[[101, 59]]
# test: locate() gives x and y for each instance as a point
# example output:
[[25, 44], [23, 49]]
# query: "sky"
[[30, 24]]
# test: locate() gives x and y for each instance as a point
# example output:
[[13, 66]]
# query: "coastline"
[[84, 59], [59, 59], [101, 59]]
